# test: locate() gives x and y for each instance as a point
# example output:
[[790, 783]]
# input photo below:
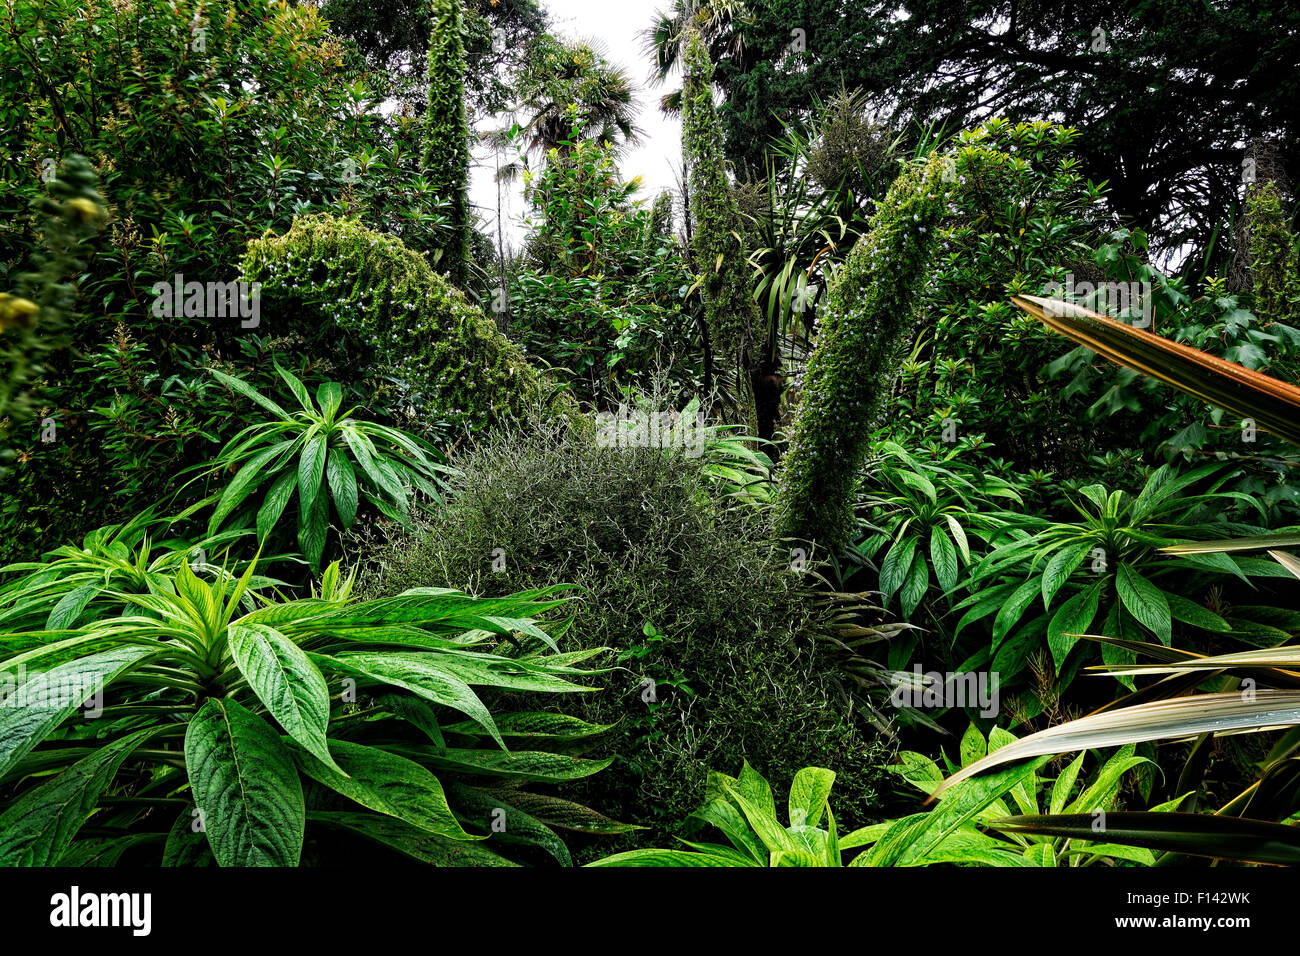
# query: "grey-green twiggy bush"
[[718, 641]]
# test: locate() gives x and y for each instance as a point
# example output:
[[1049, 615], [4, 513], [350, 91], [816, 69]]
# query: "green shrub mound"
[[687, 592], [369, 303]]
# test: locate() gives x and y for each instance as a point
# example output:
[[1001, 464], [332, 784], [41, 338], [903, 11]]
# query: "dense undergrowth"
[[336, 530]]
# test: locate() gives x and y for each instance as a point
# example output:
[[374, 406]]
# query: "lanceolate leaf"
[[1273, 404], [390, 784], [245, 786], [38, 826], [286, 682], [1144, 601], [274, 503], [343, 486], [1160, 720], [422, 677], [418, 844], [1197, 834], [313, 528], [33, 709]]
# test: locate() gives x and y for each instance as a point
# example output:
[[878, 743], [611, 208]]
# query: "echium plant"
[[732, 316], [319, 455], [446, 138], [209, 723], [980, 200]]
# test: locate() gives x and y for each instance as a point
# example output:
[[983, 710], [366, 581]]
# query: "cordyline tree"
[[446, 140], [732, 318]]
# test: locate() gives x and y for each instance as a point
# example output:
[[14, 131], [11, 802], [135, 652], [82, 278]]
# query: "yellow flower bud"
[[83, 210], [16, 312]]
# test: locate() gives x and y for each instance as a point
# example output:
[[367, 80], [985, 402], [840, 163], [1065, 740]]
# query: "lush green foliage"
[[723, 650], [191, 685], [328, 457], [371, 304], [743, 809], [446, 134], [1274, 270], [1105, 568], [32, 318], [206, 127], [921, 521], [602, 292]]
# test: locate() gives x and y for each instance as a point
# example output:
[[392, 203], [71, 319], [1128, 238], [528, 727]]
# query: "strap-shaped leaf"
[[298, 388], [1160, 720], [1273, 404], [1197, 834]]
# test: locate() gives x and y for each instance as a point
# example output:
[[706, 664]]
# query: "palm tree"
[[569, 88], [719, 23]]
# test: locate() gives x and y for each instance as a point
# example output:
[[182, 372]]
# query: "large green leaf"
[[38, 826], [246, 786], [286, 682], [418, 844], [390, 784], [274, 503], [421, 676], [1144, 601], [313, 527], [342, 480], [34, 708], [809, 792], [660, 858]]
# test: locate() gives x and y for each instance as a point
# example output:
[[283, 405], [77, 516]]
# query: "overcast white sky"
[[617, 25]]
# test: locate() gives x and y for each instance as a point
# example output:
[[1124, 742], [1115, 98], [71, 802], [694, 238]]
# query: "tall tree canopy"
[[1170, 91]]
